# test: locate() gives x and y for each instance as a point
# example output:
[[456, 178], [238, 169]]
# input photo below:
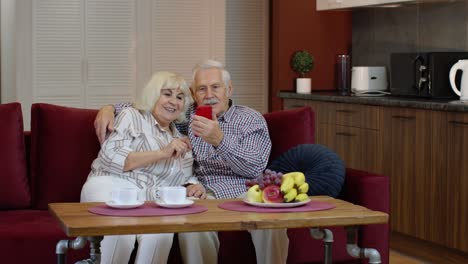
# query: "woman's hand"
[[196, 190], [177, 148]]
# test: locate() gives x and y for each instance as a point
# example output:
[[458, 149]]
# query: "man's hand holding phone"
[[205, 111], [209, 129]]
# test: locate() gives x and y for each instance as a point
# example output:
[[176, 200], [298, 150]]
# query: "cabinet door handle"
[[344, 134], [345, 111], [458, 123], [403, 117]]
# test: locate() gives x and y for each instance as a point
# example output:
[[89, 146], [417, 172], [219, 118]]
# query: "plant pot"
[[303, 85]]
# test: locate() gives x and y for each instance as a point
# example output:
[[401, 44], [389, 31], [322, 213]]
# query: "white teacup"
[[173, 194], [125, 195]]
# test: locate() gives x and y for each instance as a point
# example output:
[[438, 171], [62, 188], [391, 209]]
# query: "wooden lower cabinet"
[[358, 147], [436, 201], [424, 152], [426, 157], [351, 130], [457, 181], [407, 160]]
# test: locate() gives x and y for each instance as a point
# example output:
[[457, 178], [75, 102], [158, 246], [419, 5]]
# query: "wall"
[[378, 32], [296, 25]]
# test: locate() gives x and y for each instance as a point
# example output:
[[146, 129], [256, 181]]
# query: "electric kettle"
[[461, 91]]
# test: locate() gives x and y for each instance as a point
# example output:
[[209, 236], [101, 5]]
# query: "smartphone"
[[205, 111]]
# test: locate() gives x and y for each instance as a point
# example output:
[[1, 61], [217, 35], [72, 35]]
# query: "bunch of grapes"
[[268, 177]]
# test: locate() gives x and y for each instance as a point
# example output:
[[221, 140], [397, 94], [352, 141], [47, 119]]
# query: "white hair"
[[152, 91], [209, 64]]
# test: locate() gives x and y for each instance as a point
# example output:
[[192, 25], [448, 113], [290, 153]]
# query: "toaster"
[[368, 79]]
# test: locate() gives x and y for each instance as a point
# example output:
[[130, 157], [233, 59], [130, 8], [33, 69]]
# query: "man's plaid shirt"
[[243, 152]]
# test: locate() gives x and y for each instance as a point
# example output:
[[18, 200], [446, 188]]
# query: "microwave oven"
[[423, 74]]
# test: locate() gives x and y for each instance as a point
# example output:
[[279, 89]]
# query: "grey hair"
[[209, 64], [152, 92]]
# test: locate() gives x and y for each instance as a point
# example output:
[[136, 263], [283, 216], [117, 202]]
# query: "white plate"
[[124, 206], [277, 205], [187, 202]]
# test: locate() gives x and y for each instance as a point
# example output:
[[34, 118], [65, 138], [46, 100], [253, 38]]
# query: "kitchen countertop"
[[388, 100]]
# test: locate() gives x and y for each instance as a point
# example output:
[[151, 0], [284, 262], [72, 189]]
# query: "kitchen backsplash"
[[378, 32]]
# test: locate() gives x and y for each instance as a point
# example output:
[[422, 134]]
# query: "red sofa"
[[51, 163]]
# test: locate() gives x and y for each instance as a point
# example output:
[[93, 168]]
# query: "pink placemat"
[[243, 207], [147, 209]]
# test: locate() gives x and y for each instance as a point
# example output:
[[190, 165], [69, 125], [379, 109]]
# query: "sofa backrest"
[[289, 128], [14, 183], [63, 146]]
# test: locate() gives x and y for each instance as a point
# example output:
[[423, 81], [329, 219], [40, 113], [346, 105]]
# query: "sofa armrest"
[[371, 191], [367, 189]]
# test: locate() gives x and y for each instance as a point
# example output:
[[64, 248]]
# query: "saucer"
[[187, 203], [113, 204]]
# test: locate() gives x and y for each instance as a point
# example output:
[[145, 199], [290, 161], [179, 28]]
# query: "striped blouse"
[[139, 131]]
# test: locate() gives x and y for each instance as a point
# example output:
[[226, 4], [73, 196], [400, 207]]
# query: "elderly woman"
[[144, 151]]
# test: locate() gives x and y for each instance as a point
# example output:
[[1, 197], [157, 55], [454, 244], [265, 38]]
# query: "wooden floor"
[[408, 250], [400, 258]]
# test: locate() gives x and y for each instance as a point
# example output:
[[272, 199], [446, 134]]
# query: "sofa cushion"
[[63, 146], [14, 185], [323, 169], [289, 128], [30, 236]]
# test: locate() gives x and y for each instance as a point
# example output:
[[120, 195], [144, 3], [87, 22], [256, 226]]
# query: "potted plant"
[[302, 62]]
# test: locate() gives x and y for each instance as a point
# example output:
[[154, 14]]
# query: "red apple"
[[272, 194]]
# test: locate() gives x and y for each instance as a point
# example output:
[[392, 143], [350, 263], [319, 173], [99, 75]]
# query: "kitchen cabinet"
[[456, 217], [352, 131], [426, 154], [423, 151], [437, 229], [407, 143]]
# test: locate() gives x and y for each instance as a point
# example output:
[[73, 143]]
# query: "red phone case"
[[205, 111]]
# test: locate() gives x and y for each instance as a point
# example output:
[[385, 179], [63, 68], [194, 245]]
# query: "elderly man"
[[229, 148]]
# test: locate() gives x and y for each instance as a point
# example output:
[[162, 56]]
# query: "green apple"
[[254, 194]]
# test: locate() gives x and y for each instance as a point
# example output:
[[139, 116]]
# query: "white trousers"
[[152, 248], [271, 246]]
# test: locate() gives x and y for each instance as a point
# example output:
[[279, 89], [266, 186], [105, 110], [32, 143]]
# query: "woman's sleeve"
[[119, 107]]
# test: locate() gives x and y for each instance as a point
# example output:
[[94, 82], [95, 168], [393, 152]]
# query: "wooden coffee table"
[[76, 221]]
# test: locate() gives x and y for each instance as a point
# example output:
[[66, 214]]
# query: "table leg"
[[63, 246], [357, 252], [327, 237], [95, 251], [79, 243]]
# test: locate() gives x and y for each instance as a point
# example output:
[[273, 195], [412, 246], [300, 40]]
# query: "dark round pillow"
[[323, 169]]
